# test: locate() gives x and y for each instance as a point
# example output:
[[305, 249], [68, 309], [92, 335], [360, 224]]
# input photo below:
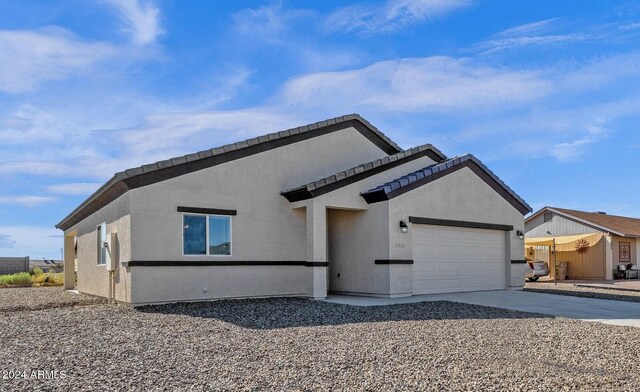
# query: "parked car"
[[538, 268]]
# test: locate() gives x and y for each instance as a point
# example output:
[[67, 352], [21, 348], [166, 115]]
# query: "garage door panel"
[[457, 259]]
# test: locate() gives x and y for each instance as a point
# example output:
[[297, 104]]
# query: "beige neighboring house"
[[612, 240], [334, 206]]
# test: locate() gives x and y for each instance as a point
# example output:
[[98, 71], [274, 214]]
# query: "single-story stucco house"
[[609, 240], [331, 206]]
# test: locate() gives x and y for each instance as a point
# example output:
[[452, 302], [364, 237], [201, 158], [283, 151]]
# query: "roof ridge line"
[[127, 179], [393, 188], [381, 162], [145, 168]]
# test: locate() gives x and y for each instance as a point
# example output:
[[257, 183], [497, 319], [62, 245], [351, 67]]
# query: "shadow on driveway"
[[275, 313]]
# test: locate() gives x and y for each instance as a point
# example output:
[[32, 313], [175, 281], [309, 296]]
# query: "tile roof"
[[151, 173], [428, 174], [618, 224], [357, 173], [251, 142]]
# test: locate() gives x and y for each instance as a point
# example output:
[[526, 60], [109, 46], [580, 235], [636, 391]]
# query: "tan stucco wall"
[[265, 228], [356, 240], [462, 196], [93, 278], [170, 284]]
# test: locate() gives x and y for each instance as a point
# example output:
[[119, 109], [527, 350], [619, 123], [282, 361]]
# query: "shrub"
[[36, 271], [21, 279], [5, 280], [54, 279], [39, 278]]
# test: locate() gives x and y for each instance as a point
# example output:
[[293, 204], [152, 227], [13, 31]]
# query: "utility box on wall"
[[112, 252]]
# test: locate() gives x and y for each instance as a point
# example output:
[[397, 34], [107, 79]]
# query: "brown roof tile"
[[621, 224]]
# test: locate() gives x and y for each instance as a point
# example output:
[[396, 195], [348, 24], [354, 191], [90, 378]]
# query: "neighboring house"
[[11, 265], [331, 206], [612, 240], [46, 265]]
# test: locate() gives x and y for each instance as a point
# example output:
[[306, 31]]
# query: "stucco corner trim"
[[393, 261], [456, 223]]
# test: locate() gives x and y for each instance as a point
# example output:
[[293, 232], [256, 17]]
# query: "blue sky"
[[546, 93]]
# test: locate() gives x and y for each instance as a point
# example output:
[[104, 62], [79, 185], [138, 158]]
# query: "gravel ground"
[[296, 344], [34, 298], [588, 292]]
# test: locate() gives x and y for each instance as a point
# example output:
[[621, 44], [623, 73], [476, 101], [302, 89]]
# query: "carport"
[[584, 254]]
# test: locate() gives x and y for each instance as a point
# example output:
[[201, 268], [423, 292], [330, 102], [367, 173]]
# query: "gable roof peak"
[[147, 174], [433, 172], [616, 224]]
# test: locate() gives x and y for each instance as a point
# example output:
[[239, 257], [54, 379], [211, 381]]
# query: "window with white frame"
[[206, 235], [101, 238]]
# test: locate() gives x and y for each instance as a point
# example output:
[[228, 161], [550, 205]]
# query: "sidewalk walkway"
[[586, 309]]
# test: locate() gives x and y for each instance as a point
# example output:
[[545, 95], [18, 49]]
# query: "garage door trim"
[[456, 223]]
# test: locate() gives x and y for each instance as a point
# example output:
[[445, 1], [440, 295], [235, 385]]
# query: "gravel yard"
[[296, 344], [30, 298], [586, 292]]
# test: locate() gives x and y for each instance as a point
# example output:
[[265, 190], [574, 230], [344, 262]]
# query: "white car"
[[538, 268]]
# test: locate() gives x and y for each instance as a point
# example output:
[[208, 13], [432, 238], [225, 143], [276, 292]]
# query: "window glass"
[[194, 234], [101, 236], [219, 235]]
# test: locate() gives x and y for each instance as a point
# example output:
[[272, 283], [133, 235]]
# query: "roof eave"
[[456, 164], [112, 181], [591, 223], [304, 192], [137, 176]]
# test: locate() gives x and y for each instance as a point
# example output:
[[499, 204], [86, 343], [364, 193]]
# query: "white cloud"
[[499, 44], [417, 85], [533, 28], [27, 58], [279, 28], [6, 241], [603, 72], [540, 33], [393, 15], [74, 188], [141, 19], [630, 26], [25, 201], [569, 151], [33, 241], [271, 24], [186, 132]]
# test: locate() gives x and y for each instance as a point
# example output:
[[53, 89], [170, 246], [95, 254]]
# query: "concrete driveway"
[[586, 309]]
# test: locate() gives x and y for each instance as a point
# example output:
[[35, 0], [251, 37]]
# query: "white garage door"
[[450, 259]]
